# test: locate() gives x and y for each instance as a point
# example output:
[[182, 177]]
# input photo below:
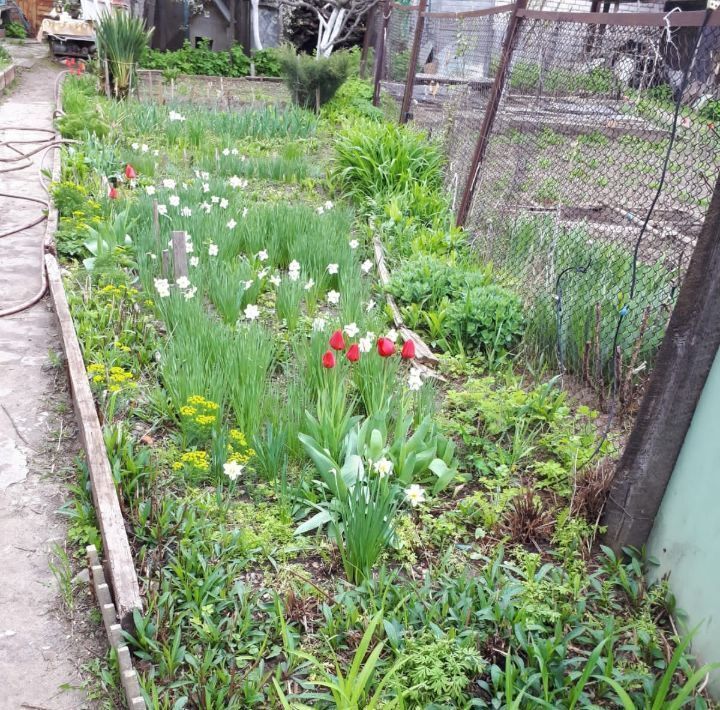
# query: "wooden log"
[[422, 351], [165, 263], [179, 247], [123, 578]]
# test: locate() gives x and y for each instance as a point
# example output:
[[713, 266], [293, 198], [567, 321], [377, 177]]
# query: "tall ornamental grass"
[[121, 40], [383, 159]]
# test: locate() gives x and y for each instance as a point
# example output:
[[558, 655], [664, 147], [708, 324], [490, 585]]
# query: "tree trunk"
[[255, 21]]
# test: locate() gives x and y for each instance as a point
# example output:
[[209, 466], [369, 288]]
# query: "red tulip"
[[353, 353], [337, 342], [408, 350], [130, 173], [385, 347], [328, 360], [113, 193]]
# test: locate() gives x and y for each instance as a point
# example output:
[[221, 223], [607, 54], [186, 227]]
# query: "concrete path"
[[41, 646]]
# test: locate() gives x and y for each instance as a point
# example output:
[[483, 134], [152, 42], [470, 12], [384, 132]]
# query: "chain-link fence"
[[590, 192]]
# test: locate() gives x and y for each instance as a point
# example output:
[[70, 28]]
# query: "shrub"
[[313, 81], [121, 40], [14, 30], [5, 57], [267, 62], [385, 159]]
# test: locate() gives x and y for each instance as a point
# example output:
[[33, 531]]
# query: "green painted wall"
[[686, 534]]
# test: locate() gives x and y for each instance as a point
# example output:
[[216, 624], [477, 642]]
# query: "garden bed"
[[313, 520]]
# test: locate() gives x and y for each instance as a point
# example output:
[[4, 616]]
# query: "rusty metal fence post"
[[491, 111], [412, 63], [381, 49]]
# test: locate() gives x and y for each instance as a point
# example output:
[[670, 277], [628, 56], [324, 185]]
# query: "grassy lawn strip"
[[313, 521]]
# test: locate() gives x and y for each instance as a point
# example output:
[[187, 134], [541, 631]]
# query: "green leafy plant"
[[353, 689]]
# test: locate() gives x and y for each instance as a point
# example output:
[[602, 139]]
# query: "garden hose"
[[21, 161]]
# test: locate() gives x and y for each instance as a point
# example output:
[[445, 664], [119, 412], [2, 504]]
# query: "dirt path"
[[41, 649]]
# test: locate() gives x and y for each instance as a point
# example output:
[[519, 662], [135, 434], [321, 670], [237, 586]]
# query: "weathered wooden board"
[[123, 578]]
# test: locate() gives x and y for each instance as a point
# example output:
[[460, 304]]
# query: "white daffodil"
[[252, 312], [186, 212], [150, 189], [414, 381], [162, 287], [320, 210], [162, 209], [262, 255], [135, 146], [175, 116], [206, 187], [366, 266], [235, 151], [206, 206], [318, 324], [169, 184], [205, 175], [392, 334], [245, 212], [213, 250], [235, 181], [247, 285], [365, 345], [194, 261], [226, 151], [354, 243], [370, 306], [233, 470], [224, 204], [263, 273], [294, 270], [174, 200], [214, 199], [183, 282], [351, 330], [309, 285], [383, 467], [231, 224], [275, 280], [333, 297], [332, 268], [415, 495], [328, 205], [190, 293], [144, 148], [156, 152]]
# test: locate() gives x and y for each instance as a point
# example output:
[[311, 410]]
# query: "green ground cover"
[[316, 521]]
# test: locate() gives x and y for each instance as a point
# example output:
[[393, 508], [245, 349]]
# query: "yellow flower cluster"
[[198, 461], [116, 377], [200, 411], [238, 449]]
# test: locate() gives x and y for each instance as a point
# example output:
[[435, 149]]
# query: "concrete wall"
[[686, 535]]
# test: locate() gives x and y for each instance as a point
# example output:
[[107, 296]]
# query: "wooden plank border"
[[128, 676], [123, 578], [687, 18], [7, 76]]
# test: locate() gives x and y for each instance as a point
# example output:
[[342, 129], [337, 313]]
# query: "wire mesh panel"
[[584, 149], [457, 68]]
